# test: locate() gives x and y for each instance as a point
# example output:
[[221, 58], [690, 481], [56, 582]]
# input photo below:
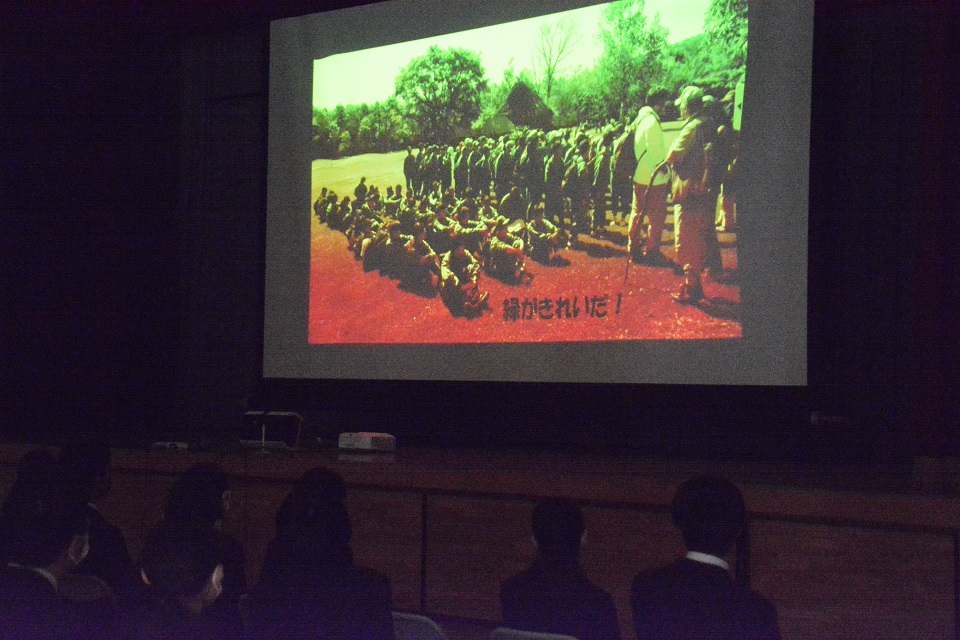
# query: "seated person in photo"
[[544, 238], [181, 574], [421, 264], [309, 586], [506, 254], [512, 205], [441, 230], [43, 536], [460, 273], [86, 474], [473, 233], [695, 596], [389, 251], [554, 595]]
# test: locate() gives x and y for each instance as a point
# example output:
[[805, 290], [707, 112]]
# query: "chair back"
[[503, 633], [410, 626]]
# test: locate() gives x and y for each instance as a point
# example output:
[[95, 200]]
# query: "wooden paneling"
[[473, 544], [621, 543], [255, 505], [855, 583], [387, 536]]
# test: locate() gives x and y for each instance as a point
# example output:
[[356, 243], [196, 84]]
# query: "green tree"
[[726, 24], [441, 90], [631, 61], [695, 61], [578, 99], [326, 137], [377, 129], [346, 146]]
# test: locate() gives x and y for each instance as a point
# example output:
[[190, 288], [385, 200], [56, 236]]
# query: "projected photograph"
[[567, 178]]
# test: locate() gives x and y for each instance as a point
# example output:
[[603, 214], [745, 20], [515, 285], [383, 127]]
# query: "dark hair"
[[197, 495], [321, 484], [558, 528], [710, 513], [84, 464], [39, 519], [179, 560], [313, 525]]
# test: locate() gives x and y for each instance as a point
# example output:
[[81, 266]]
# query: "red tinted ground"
[[349, 305]]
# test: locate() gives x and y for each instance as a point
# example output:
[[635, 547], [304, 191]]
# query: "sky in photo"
[[368, 76]]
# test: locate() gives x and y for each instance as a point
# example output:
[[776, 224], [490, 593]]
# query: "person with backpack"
[[649, 151], [693, 212]]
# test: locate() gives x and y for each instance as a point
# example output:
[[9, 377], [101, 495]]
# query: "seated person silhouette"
[[86, 469], [309, 586], [695, 596], [201, 498], [554, 595], [182, 574], [43, 536]]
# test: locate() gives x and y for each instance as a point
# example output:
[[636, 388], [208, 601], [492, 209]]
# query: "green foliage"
[[439, 94], [631, 61], [365, 129], [578, 99], [326, 136], [493, 99], [695, 61], [442, 91], [726, 25], [345, 141]]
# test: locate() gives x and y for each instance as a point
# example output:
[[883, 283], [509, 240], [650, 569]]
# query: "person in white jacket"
[[650, 152]]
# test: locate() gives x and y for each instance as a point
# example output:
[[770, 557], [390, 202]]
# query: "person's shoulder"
[[661, 579], [591, 592], [517, 581], [754, 602], [758, 616], [369, 577]]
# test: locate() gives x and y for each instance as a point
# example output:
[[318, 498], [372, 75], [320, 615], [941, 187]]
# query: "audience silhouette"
[[310, 586], [183, 571], [43, 536], [62, 563], [695, 596], [86, 474], [554, 595]]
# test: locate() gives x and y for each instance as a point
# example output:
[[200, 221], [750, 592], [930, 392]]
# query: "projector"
[[367, 441]]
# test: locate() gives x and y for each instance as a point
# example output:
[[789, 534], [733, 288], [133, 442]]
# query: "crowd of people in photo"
[[66, 573], [487, 205]]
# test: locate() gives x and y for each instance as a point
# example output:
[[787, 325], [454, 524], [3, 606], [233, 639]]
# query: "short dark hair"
[[313, 524], [558, 527], [83, 463], [321, 484], [179, 560], [710, 513], [197, 495], [39, 519]]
